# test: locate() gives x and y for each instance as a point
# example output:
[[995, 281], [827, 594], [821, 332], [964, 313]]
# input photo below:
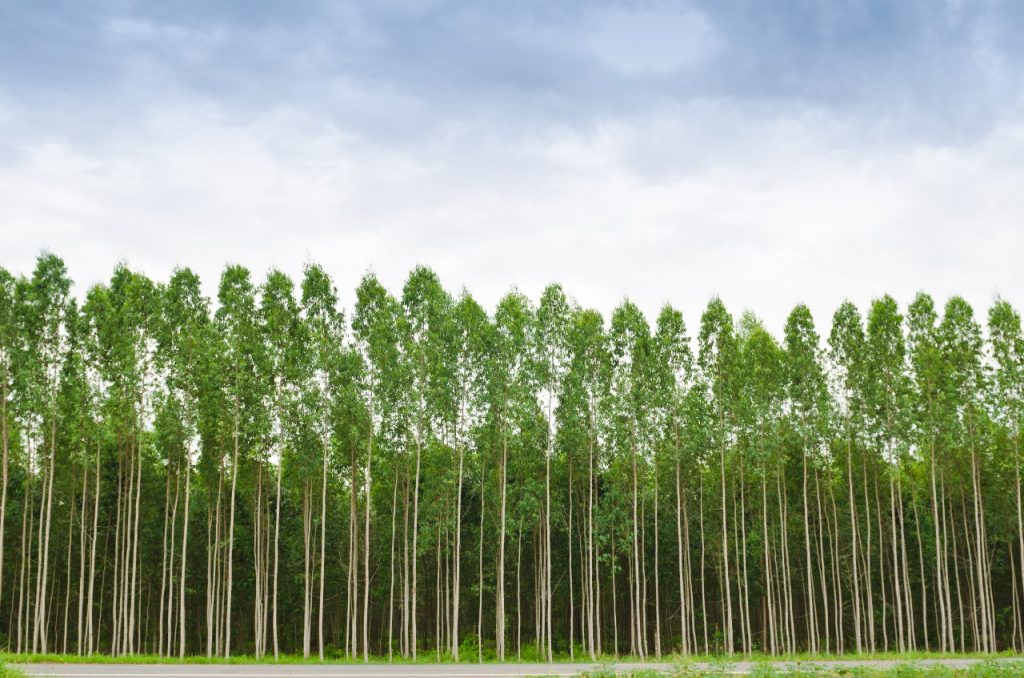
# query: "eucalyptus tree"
[[375, 325], [848, 360], [285, 350], [9, 337], [888, 391], [73, 438], [550, 340], [572, 417], [510, 387], [470, 330], [580, 410], [332, 370], [961, 342], [807, 399], [630, 388], [124, 316], [44, 319], [671, 377], [183, 344], [242, 358], [717, 356], [748, 325], [135, 306], [570, 457], [425, 307], [1007, 345], [763, 366], [93, 314], [929, 375]]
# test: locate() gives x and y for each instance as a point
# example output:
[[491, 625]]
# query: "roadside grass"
[[985, 669], [7, 672], [681, 662], [697, 666]]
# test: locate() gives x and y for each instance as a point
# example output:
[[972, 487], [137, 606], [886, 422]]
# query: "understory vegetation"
[[266, 475]]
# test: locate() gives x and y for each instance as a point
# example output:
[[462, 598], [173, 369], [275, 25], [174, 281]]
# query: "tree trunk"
[[4, 468], [366, 544], [415, 552], [163, 564], [725, 555], [277, 540], [480, 575], [80, 626], [657, 581], [854, 541], [184, 555], [547, 534], [323, 547], [90, 642], [500, 604], [457, 556], [391, 585], [684, 635], [812, 630], [231, 541]]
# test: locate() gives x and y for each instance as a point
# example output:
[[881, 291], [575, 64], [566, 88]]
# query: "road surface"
[[458, 670]]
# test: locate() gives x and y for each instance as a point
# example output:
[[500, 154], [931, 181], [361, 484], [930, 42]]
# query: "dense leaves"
[[258, 476]]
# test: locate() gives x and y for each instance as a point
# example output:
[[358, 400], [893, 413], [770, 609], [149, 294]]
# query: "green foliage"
[[734, 492]]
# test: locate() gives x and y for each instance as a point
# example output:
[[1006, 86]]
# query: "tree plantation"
[[265, 473]]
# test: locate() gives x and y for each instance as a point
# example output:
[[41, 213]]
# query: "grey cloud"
[[910, 68]]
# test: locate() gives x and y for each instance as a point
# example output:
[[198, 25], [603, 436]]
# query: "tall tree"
[[806, 394], [9, 337], [603, 484], [511, 406], [717, 357], [242, 357], [961, 342], [1008, 394], [550, 338], [331, 370], [184, 341], [425, 307]]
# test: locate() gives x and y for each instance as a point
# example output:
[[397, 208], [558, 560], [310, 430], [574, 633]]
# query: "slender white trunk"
[[323, 547], [231, 542], [79, 627], [4, 464], [391, 585], [367, 499], [480, 575], [163, 564], [277, 541], [415, 535], [500, 612], [684, 634], [90, 640], [184, 555]]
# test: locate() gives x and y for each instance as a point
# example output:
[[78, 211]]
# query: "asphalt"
[[459, 670]]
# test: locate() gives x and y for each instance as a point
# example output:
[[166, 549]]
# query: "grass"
[[432, 658], [6, 672], [683, 667], [986, 669]]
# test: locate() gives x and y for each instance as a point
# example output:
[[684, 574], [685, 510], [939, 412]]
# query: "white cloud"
[[770, 211]]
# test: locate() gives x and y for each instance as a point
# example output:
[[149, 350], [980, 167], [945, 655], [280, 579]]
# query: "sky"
[[771, 153]]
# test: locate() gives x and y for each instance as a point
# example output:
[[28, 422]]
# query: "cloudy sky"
[[767, 152]]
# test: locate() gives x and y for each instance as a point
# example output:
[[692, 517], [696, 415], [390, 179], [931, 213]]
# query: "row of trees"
[[265, 475]]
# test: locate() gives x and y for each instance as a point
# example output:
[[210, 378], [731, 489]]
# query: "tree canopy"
[[265, 473]]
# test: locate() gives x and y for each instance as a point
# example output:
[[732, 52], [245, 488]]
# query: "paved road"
[[433, 670]]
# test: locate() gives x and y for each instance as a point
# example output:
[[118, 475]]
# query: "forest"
[[268, 474]]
